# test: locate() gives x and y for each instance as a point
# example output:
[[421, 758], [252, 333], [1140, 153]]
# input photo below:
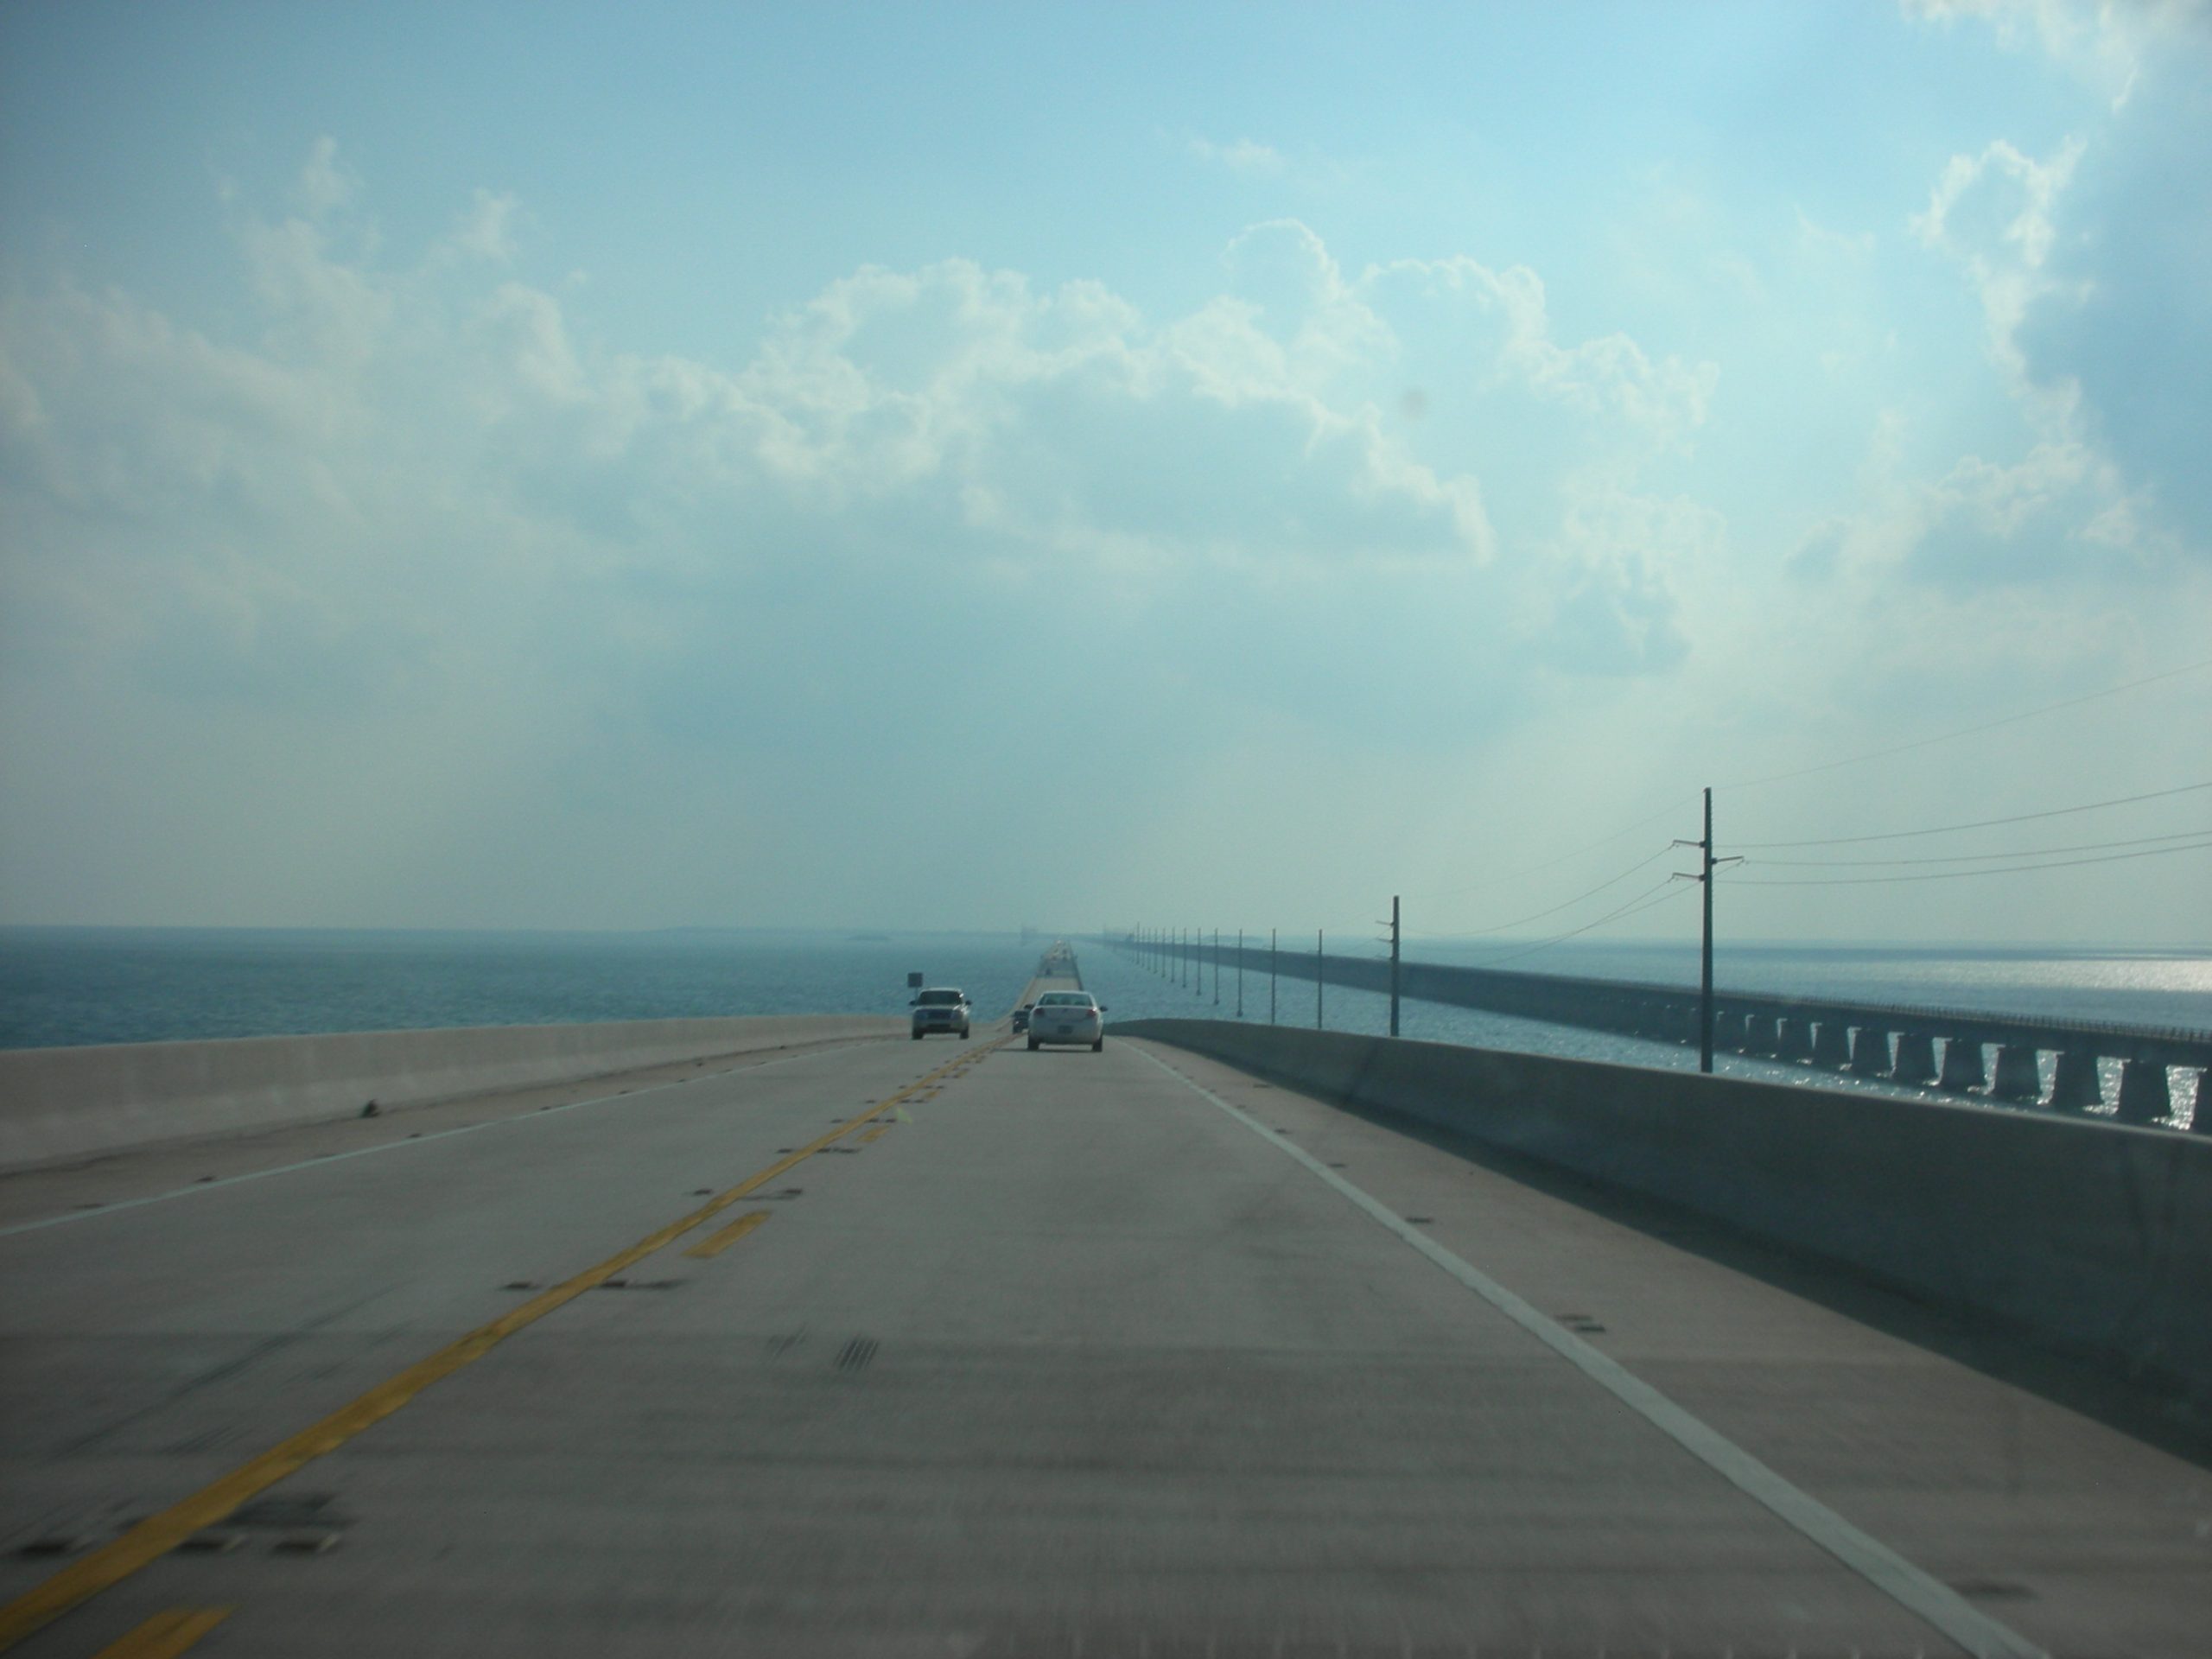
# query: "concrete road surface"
[[1056, 1353]]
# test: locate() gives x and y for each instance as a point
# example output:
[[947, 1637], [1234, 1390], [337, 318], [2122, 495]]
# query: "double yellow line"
[[157, 1535]]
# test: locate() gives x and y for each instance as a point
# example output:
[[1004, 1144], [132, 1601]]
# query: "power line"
[[1980, 823], [1666, 887], [1972, 858], [1507, 927], [1550, 863], [1948, 875], [1970, 731]]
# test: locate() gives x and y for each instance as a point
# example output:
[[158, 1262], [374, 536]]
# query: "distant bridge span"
[[1895, 1042]]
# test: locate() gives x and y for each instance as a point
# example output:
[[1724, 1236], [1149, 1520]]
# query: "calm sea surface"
[[69, 986]]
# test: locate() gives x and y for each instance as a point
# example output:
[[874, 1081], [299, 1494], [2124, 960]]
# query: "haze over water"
[[65, 987]]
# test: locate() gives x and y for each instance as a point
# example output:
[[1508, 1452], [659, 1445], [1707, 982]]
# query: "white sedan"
[[1067, 1017]]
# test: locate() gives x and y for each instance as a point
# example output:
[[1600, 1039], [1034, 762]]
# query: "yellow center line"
[[159, 1534], [716, 1243], [879, 1130], [166, 1635]]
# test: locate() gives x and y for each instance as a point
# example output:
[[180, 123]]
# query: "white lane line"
[[1880, 1566], [327, 1160]]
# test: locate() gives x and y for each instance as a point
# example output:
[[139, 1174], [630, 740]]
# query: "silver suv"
[[941, 1008]]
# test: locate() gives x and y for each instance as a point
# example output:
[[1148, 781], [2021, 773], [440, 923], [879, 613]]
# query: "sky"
[[893, 467]]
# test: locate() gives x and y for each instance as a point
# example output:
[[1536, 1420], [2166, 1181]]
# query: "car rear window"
[[934, 998]]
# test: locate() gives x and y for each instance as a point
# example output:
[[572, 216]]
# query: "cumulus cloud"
[[420, 550], [1994, 212], [420, 497], [1497, 332], [1614, 608], [2121, 322], [2088, 264]]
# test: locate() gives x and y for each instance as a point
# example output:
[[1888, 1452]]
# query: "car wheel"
[[917, 1036], [1032, 1044], [1098, 1045]]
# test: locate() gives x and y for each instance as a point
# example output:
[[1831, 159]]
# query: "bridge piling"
[[1831, 1043], [2145, 1097], [2019, 1074], [1962, 1065], [1759, 1034], [1793, 1040], [1916, 1061], [2076, 1083], [2200, 1120], [1870, 1052]]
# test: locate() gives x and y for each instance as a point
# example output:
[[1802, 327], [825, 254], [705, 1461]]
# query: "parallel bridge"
[[1947, 1047]]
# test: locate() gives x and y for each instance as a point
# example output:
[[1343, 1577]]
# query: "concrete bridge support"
[[1793, 1040], [1759, 1035], [1831, 1043], [1962, 1065], [1870, 1052], [2076, 1083], [2019, 1076], [2201, 1123], [1916, 1061], [2144, 1095]]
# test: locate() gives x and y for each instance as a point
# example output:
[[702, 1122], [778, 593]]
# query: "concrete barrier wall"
[[2093, 1235], [58, 1104]]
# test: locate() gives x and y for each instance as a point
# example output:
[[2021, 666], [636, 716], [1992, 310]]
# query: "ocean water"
[[63, 987]]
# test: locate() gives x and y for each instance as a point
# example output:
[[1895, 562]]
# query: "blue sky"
[[901, 466]]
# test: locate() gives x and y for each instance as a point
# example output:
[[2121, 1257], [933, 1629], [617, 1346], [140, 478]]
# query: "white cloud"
[[323, 186], [416, 566], [1823, 244], [1243, 155], [486, 231], [2108, 44], [1995, 213], [1498, 327]]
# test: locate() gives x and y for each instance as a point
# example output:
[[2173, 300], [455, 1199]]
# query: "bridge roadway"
[[1033, 1354]]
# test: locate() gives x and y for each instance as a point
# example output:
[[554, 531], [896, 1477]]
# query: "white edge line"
[[1877, 1563], [328, 1158]]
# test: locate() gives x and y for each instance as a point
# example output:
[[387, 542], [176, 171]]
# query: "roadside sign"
[[913, 981]]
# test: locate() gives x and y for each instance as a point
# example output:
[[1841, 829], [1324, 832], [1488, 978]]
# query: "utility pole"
[[1240, 973], [1321, 972], [1271, 975], [1705, 956], [1216, 967], [1394, 964]]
